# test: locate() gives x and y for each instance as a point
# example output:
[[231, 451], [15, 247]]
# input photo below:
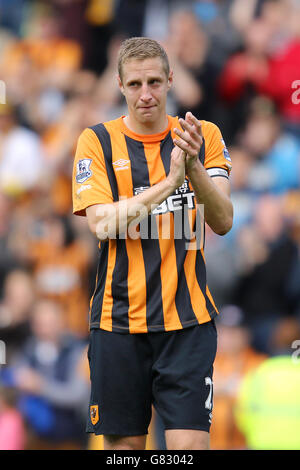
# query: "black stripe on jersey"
[[202, 152], [199, 228], [96, 307], [119, 289], [150, 246], [201, 278], [105, 141], [182, 298], [119, 285], [166, 147]]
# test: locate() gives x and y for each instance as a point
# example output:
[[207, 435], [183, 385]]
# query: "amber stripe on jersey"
[[182, 295], [158, 165], [150, 246], [148, 284]]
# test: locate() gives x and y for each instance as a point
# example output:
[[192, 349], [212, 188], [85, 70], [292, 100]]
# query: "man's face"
[[145, 86]]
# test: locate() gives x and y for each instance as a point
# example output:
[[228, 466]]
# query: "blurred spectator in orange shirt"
[[235, 357], [60, 262], [55, 57]]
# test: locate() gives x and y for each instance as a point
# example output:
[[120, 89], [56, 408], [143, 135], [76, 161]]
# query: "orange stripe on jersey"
[[197, 296], [208, 294], [136, 287], [136, 272], [106, 315], [169, 283], [211, 299], [168, 269], [155, 165]]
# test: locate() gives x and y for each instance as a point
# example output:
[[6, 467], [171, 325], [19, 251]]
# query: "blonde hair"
[[141, 48]]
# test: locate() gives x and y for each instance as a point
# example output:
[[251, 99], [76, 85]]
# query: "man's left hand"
[[190, 139]]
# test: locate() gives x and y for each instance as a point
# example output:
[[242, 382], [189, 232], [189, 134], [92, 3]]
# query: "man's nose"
[[145, 93]]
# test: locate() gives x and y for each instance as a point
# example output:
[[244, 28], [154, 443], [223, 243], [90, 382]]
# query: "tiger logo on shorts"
[[94, 414]]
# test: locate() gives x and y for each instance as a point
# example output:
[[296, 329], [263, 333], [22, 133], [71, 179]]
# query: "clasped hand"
[[186, 151], [190, 139]]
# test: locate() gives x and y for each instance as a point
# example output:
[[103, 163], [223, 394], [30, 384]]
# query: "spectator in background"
[[188, 48], [267, 409], [49, 59], [283, 68], [54, 393], [285, 332], [222, 260], [291, 204], [235, 358], [12, 428], [44, 47], [243, 12], [21, 155], [242, 74], [215, 18], [277, 152], [60, 265], [8, 259], [222, 272], [15, 307], [242, 191], [12, 15], [266, 256]]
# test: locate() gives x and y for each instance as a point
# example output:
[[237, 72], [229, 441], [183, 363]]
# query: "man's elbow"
[[225, 227], [103, 232], [102, 222]]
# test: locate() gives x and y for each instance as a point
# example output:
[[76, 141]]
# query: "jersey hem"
[[151, 329]]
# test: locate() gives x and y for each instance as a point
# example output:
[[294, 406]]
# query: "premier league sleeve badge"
[[83, 171]]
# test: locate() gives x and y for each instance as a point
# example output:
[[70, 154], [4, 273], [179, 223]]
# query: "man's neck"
[[146, 128]]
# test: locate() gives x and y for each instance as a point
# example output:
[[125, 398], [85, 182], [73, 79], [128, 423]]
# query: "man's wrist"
[[192, 163], [169, 185]]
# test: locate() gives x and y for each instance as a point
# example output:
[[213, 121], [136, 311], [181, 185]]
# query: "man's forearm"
[[218, 209], [112, 219]]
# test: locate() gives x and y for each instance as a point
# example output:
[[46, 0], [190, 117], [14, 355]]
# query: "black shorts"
[[171, 370]]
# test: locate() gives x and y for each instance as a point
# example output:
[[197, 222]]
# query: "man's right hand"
[[176, 175]]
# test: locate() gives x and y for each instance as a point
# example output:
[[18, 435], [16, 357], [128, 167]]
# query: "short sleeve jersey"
[[153, 279]]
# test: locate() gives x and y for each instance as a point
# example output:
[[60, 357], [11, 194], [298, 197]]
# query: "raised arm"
[[213, 193], [108, 220]]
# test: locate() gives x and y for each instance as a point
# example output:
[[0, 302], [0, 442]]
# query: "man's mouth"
[[147, 107]]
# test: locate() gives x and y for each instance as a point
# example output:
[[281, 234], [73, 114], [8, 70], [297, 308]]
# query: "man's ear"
[[170, 79], [120, 84]]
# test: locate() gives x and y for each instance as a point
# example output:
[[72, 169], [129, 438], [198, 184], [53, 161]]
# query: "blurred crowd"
[[236, 63]]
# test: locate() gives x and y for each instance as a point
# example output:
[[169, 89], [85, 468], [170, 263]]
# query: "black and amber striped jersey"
[[155, 281]]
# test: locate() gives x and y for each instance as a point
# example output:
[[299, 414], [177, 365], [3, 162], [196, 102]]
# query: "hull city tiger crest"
[[83, 171], [94, 414]]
